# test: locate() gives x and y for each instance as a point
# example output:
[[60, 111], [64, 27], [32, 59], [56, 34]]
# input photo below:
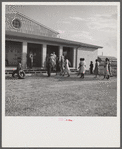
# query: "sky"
[[91, 24]]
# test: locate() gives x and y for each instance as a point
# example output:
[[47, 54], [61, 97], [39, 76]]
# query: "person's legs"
[[49, 71], [31, 64], [81, 75], [90, 71], [104, 76], [14, 72], [68, 73], [61, 71], [108, 76]]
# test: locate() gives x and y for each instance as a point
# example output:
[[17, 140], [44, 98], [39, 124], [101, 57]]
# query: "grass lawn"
[[61, 96]]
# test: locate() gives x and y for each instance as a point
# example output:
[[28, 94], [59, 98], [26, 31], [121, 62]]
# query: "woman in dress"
[[62, 65], [96, 70], [82, 67], [57, 65], [106, 69], [67, 69]]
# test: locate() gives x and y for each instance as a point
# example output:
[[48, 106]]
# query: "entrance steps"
[[33, 70]]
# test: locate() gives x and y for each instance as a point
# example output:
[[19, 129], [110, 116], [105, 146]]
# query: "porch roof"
[[49, 39]]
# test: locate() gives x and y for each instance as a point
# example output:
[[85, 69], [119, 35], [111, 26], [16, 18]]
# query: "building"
[[23, 35]]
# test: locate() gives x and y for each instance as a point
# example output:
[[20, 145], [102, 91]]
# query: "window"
[[16, 23]]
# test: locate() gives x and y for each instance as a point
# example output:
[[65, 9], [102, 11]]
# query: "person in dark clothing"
[[49, 66], [57, 65], [19, 67], [96, 70], [91, 67]]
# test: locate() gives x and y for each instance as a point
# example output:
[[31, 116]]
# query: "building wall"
[[27, 26], [89, 54]]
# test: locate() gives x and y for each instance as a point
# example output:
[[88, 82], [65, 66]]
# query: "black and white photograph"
[[61, 63]]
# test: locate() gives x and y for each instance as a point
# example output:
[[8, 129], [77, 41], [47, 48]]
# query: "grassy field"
[[61, 96]]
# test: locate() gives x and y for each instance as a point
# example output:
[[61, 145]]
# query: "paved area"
[[61, 96]]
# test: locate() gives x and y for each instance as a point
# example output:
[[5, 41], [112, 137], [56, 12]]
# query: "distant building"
[[24, 35], [111, 58], [113, 61]]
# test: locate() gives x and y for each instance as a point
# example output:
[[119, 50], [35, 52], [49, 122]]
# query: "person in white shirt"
[[82, 67], [67, 69]]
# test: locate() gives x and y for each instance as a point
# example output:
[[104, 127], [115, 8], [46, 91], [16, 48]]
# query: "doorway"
[[13, 51], [51, 49], [68, 53], [36, 50]]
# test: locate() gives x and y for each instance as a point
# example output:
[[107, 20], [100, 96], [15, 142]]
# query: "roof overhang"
[[15, 35]]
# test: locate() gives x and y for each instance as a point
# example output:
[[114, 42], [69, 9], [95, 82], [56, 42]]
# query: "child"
[[96, 70], [19, 67], [91, 67]]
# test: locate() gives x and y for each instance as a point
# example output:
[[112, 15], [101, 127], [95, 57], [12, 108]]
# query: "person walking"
[[62, 65], [54, 56], [96, 70], [57, 65], [109, 68], [67, 69], [49, 64], [106, 69], [91, 67], [82, 67]]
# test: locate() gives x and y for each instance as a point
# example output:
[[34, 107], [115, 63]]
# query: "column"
[[24, 55], [74, 58], [60, 51], [44, 52]]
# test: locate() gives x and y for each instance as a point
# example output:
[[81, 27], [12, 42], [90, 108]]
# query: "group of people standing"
[[107, 68], [63, 65], [58, 64]]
